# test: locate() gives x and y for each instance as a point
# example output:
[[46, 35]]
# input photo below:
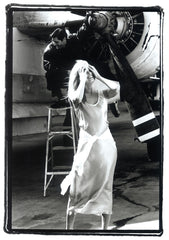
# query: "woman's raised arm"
[[112, 92], [77, 85]]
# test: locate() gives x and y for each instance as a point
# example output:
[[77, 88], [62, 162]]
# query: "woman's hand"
[[95, 72]]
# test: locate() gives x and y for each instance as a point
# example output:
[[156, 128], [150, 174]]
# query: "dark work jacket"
[[58, 62]]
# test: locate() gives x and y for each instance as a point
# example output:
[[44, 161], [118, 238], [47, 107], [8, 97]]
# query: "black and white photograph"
[[84, 120]]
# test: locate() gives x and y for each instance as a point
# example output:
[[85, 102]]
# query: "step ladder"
[[50, 168]]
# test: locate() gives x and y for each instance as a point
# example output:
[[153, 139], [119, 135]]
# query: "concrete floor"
[[136, 186]]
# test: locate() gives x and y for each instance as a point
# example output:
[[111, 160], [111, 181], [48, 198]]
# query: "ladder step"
[[56, 169], [59, 109], [66, 167], [59, 132], [57, 148], [59, 172], [58, 127]]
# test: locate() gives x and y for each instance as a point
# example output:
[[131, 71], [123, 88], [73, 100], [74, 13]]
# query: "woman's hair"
[[74, 78]]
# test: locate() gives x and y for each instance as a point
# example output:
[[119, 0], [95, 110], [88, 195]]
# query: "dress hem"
[[92, 213]]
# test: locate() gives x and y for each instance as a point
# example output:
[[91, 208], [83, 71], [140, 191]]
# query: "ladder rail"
[[49, 144]]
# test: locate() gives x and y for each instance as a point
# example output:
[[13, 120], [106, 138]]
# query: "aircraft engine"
[[137, 34]]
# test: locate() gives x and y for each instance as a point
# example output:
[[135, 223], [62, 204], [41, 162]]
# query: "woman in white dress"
[[91, 177]]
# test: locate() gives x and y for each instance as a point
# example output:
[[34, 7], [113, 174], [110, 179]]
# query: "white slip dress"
[[92, 173]]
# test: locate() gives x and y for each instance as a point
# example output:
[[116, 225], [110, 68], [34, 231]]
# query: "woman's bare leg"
[[105, 221], [70, 219]]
